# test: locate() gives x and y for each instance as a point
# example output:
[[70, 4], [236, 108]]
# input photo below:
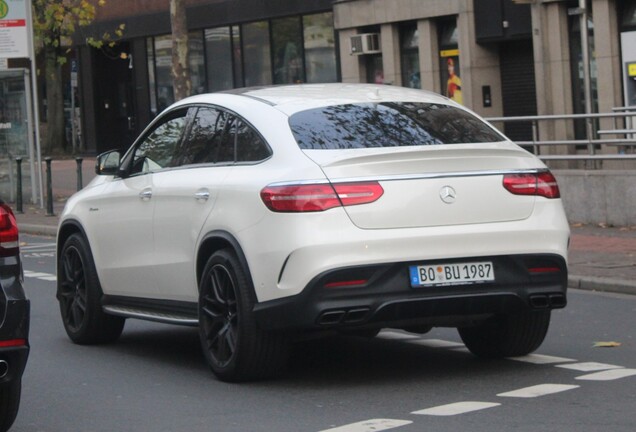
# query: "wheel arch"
[[67, 229], [218, 240]]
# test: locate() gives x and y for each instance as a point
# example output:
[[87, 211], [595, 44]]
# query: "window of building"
[[320, 48], [576, 67], [287, 48], [410, 57], [160, 65], [257, 65], [218, 50]]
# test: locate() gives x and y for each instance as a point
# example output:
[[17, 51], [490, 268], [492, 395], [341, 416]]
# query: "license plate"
[[451, 274]]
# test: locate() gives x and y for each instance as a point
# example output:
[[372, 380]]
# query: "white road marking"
[[608, 375], [435, 343], [37, 246], [396, 335], [372, 425], [41, 276], [456, 408], [32, 274], [589, 366], [541, 359], [538, 390]]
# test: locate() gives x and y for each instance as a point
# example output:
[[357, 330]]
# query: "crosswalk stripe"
[[608, 375], [589, 366], [456, 408], [371, 425], [396, 335], [538, 390], [435, 343], [541, 359]]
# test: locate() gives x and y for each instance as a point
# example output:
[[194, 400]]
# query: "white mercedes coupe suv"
[[263, 215]]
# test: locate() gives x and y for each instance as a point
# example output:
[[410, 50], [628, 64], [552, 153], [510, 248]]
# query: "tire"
[[234, 347], [79, 294], [508, 335], [9, 404]]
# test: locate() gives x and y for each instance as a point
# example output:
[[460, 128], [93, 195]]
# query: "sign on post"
[[14, 41]]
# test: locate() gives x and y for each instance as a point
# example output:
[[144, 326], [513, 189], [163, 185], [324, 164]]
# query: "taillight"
[[8, 229], [319, 197], [540, 184]]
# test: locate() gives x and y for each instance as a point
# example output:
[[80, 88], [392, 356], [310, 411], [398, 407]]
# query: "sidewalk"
[[600, 258]]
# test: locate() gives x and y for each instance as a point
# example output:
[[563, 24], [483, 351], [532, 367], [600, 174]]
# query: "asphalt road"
[[154, 378]]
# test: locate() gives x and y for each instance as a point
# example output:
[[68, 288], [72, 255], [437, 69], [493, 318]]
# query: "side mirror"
[[108, 163]]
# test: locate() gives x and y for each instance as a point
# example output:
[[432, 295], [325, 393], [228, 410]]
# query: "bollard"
[[49, 188], [79, 160], [18, 199]]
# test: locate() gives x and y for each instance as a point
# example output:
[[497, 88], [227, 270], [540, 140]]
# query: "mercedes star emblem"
[[448, 194]]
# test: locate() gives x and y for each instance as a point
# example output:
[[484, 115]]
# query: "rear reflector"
[[544, 270], [319, 197], [12, 343], [348, 283], [539, 184]]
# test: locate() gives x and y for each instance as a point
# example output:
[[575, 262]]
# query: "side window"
[[157, 149], [226, 146], [204, 137], [250, 147]]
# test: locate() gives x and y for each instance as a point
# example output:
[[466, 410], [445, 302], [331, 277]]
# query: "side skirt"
[[163, 311]]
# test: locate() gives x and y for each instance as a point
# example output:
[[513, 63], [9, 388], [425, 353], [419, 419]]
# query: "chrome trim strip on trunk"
[[403, 177]]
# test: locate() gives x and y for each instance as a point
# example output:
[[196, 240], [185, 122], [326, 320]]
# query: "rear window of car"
[[388, 124]]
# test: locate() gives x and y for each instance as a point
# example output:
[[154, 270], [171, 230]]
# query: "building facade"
[[497, 57]]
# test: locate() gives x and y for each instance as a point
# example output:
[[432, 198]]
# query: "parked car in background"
[[262, 215], [14, 319]]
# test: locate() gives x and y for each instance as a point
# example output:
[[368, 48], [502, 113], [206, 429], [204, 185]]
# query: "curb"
[[35, 229], [592, 283]]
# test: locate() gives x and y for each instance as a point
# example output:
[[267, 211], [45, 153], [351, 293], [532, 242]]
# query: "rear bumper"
[[14, 331], [387, 298]]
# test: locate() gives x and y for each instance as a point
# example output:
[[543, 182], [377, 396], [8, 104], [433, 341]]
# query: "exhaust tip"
[[4, 368]]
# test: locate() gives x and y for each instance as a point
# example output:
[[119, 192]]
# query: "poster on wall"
[[451, 81]]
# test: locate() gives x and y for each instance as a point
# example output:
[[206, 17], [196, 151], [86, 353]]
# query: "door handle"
[[145, 194], [202, 195]]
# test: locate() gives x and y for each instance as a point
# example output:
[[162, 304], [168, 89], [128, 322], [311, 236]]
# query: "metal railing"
[[594, 145]]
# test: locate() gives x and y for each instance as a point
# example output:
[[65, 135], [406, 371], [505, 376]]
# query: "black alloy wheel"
[[72, 289], [219, 317], [79, 294], [234, 346]]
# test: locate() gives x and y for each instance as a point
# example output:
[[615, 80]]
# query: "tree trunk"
[[180, 70], [55, 138]]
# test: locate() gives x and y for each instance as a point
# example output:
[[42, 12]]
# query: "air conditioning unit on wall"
[[365, 43]]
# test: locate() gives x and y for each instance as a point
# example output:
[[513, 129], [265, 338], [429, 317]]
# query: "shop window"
[[320, 48], [218, 50], [576, 67], [162, 73], [287, 47], [256, 54], [409, 54], [237, 55]]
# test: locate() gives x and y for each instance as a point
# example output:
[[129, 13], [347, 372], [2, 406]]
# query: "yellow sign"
[[631, 69], [449, 53]]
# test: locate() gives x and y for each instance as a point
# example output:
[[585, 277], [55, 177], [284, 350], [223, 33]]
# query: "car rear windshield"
[[388, 124]]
